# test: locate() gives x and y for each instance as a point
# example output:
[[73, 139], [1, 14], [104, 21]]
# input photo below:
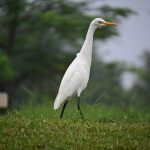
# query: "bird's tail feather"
[[58, 101], [56, 104]]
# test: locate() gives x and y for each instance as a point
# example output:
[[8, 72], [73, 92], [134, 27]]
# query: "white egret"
[[76, 76]]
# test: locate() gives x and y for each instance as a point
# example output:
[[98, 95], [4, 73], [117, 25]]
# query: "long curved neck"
[[86, 49]]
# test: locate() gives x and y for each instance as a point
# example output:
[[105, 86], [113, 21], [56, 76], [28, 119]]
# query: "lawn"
[[39, 127]]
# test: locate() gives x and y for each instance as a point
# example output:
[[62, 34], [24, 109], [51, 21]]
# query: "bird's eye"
[[100, 22]]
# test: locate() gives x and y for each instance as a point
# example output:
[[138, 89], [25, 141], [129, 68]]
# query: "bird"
[[76, 77]]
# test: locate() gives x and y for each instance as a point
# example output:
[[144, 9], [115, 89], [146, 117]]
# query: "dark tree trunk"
[[6, 86], [11, 34], [2, 87]]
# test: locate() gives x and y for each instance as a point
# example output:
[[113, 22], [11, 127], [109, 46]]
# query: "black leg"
[[64, 106], [79, 109]]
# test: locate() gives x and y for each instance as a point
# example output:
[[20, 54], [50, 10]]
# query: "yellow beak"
[[106, 23]]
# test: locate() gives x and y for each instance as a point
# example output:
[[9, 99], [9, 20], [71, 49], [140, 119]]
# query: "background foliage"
[[38, 41]]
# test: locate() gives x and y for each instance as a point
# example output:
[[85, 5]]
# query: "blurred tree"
[[142, 85], [36, 39]]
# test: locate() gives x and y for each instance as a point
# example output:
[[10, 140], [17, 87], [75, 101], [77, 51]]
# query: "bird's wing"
[[74, 81], [69, 74], [75, 76]]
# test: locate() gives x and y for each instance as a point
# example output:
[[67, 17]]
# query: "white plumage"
[[74, 81], [76, 77]]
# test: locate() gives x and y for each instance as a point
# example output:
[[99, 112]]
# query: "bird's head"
[[99, 23]]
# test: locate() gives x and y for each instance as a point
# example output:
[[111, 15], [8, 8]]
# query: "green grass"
[[39, 127]]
